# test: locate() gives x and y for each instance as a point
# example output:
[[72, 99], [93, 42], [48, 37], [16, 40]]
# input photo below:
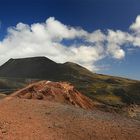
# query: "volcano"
[[39, 68], [109, 90]]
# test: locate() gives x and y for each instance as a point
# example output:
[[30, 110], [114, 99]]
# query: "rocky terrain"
[[61, 92], [114, 93], [50, 111], [78, 105]]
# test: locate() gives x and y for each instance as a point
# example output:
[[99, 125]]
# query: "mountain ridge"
[[110, 90], [68, 63]]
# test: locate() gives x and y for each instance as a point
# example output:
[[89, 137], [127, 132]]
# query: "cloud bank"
[[62, 43]]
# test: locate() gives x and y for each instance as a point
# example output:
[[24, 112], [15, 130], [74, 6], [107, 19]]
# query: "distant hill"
[[36, 67], [114, 91], [41, 68]]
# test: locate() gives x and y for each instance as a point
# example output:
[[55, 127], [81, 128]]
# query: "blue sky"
[[90, 15]]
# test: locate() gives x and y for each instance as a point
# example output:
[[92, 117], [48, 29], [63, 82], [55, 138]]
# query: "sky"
[[101, 35]]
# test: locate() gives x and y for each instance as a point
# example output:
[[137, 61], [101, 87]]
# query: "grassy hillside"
[[9, 85], [114, 91]]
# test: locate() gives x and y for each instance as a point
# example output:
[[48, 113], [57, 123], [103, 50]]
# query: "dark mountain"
[[40, 68], [36, 67], [112, 91]]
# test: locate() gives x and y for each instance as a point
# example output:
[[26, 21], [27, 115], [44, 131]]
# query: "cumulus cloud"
[[47, 39], [136, 25], [96, 36]]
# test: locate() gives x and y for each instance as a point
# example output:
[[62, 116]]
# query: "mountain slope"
[[36, 67], [114, 91], [41, 68]]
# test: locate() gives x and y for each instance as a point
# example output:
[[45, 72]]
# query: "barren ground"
[[23, 119]]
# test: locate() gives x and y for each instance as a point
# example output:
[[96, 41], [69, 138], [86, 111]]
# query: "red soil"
[[52, 119], [61, 92], [23, 119]]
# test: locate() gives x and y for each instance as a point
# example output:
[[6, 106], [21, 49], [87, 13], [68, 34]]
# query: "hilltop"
[[119, 93]]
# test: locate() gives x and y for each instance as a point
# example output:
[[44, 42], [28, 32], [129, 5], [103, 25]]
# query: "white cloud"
[[136, 25], [46, 39], [135, 28], [116, 39], [58, 31], [96, 36]]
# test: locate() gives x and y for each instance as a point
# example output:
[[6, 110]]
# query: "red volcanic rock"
[[61, 92]]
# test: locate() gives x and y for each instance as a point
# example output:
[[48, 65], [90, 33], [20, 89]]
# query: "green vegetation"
[[9, 85], [112, 91]]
